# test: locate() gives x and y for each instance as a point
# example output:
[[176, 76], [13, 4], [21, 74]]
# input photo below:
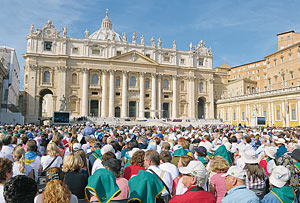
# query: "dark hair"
[[120, 139], [5, 167], [248, 139], [20, 189], [7, 139], [166, 145], [165, 156], [108, 155], [153, 156], [31, 145], [233, 139], [138, 158], [133, 144], [254, 172], [14, 140]]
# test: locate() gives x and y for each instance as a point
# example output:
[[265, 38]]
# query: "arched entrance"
[[117, 112], [147, 113], [201, 108], [132, 109], [166, 110], [46, 103]]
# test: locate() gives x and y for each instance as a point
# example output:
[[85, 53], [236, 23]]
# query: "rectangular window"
[[265, 76], [147, 95], [201, 61], [243, 116], [278, 114], [148, 55], [75, 50], [265, 114], [182, 61], [166, 59], [226, 116], [95, 51], [234, 116], [118, 93], [292, 75], [166, 96], [47, 46], [94, 93], [294, 116], [258, 77], [119, 53]]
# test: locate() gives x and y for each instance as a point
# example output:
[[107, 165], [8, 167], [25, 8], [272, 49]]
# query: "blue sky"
[[238, 31]]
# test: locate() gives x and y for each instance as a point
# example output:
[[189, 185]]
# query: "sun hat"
[[107, 148], [280, 141], [296, 154], [280, 176], [271, 151], [250, 157], [235, 171], [196, 168]]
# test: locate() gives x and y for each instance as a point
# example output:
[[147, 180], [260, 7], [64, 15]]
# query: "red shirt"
[[132, 170], [194, 195]]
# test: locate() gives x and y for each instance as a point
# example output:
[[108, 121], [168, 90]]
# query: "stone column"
[[124, 113], [211, 98], [154, 90], [272, 113], [111, 107], [174, 106], [283, 113], [159, 96], [142, 96], [298, 111], [104, 94], [32, 82], [269, 114], [191, 97], [85, 92]]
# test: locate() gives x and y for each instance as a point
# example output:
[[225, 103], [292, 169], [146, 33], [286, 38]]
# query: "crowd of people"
[[88, 163]]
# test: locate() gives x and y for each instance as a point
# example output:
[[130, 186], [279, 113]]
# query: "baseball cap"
[[236, 172], [107, 148], [76, 147], [280, 176], [195, 168], [296, 154]]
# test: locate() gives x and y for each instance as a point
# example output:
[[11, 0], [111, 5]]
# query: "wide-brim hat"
[[280, 141], [296, 154], [280, 176], [271, 151], [250, 157]]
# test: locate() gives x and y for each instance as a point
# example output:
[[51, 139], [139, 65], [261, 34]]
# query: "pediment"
[[134, 57]]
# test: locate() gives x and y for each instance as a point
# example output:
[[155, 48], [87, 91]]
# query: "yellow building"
[[268, 88]]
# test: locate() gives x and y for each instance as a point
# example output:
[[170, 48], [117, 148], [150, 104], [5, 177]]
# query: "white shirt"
[[46, 160], [97, 165], [171, 168], [7, 152], [39, 199], [16, 169], [181, 189], [1, 194], [36, 165], [167, 178]]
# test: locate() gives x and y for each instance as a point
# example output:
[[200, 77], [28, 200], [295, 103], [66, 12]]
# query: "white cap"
[[236, 172], [195, 168], [280, 141], [271, 151], [280, 176], [250, 157], [107, 148], [76, 146]]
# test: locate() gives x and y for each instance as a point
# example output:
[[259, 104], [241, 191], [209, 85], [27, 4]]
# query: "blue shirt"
[[271, 198], [240, 194], [280, 151], [88, 130]]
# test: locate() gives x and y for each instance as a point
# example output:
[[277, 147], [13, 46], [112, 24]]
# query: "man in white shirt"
[[31, 158], [165, 159], [151, 162]]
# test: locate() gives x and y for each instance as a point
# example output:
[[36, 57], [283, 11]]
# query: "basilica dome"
[[106, 32]]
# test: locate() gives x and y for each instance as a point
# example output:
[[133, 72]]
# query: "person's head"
[[72, 162], [165, 157], [138, 158], [31, 146], [279, 142], [52, 149], [280, 176], [21, 189], [83, 157], [19, 155], [247, 140], [193, 174], [113, 165], [7, 139], [234, 177], [108, 155], [184, 161], [56, 191], [165, 146], [96, 145], [233, 139], [219, 165], [201, 151], [6, 171], [151, 158]]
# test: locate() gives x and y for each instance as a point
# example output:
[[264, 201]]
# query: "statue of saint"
[[191, 46], [63, 104], [65, 32], [153, 41], [134, 38], [142, 40], [86, 34], [159, 42], [31, 29], [124, 37], [174, 44]]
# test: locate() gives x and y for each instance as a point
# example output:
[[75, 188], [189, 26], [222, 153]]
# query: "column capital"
[[104, 71], [142, 74], [174, 77], [191, 78], [62, 68], [153, 75], [84, 70], [112, 72], [125, 72], [33, 67]]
